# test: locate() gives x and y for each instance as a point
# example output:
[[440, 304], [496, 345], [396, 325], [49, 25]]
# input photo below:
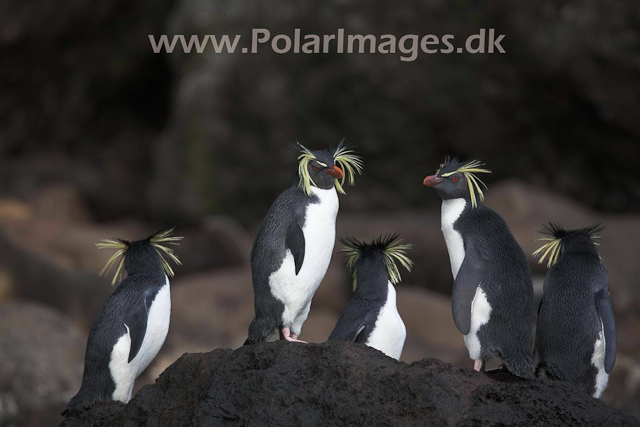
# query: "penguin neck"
[[583, 247], [159, 277], [452, 210], [372, 281], [376, 291], [320, 192]]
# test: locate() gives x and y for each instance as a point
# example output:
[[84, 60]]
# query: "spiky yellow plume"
[[391, 247], [473, 182], [345, 158], [350, 164], [123, 246], [554, 235], [166, 238]]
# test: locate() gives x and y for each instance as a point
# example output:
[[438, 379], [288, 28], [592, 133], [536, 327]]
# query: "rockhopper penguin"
[[492, 298], [371, 316], [132, 324], [295, 242], [576, 333]]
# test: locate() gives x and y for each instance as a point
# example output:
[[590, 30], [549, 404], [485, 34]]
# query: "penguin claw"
[[287, 335], [291, 339]]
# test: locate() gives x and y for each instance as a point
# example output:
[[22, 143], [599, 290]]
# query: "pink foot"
[[286, 332], [478, 365]]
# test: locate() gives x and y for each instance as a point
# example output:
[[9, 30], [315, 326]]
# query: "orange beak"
[[432, 181], [335, 172]]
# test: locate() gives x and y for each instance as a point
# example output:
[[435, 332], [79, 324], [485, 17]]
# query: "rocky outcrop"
[[343, 384]]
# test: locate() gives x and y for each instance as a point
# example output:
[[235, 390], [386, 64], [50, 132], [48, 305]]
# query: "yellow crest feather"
[[122, 246], [350, 164], [554, 234], [391, 247]]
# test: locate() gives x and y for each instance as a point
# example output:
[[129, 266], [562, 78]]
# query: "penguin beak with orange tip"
[[432, 181], [335, 172]]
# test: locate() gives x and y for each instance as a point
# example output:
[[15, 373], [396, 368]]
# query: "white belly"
[[389, 331], [124, 373], [480, 315], [597, 360], [451, 211], [296, 291]]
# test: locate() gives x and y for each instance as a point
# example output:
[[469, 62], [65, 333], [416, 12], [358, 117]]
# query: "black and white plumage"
[[492, 298], [295, 241], [576, 332], [371, 316], [132, 324]]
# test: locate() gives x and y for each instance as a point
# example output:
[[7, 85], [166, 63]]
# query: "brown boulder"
[[42, 356]]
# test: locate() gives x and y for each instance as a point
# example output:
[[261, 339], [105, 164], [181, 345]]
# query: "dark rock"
[[41, 354], [32, 276], [344, 384]]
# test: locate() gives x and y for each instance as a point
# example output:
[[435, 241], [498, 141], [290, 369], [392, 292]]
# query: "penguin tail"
[[552, 372], [260, 330], [521, 366], [76, 404]]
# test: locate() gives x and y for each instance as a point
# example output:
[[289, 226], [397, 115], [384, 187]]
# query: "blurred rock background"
[[100, 137]]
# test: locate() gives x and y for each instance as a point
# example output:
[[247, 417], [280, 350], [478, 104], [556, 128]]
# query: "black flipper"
[[464, 290], [351, 329], [294, 241], [136, 321], [605, 311]]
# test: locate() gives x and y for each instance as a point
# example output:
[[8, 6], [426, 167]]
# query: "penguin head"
[[455, 179], [370, 262], [326, 169], [561, 242], [142, 256]]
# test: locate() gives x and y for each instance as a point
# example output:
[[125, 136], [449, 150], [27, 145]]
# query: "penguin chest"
[[451, 211], [597, 360], [480, 315], [319, 230], [389, 332], [123, 372]]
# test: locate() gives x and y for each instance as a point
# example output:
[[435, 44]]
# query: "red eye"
[[313, 168], [454, 179]]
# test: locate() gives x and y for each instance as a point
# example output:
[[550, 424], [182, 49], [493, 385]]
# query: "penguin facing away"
[[371, 316], [132, 324], [492, 298], [576, 331], [294, 244]]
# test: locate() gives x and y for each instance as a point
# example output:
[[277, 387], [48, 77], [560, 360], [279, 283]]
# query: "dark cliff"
[[343, 384]]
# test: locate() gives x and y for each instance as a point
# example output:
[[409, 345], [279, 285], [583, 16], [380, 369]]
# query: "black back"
[[358, 319], [569, 322], [128, 304], [503, 270], [269, 249]]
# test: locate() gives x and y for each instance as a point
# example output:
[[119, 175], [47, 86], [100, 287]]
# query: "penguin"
[[492, 298], [132, 324], [294, 244], [371, 316], [576, 330]]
